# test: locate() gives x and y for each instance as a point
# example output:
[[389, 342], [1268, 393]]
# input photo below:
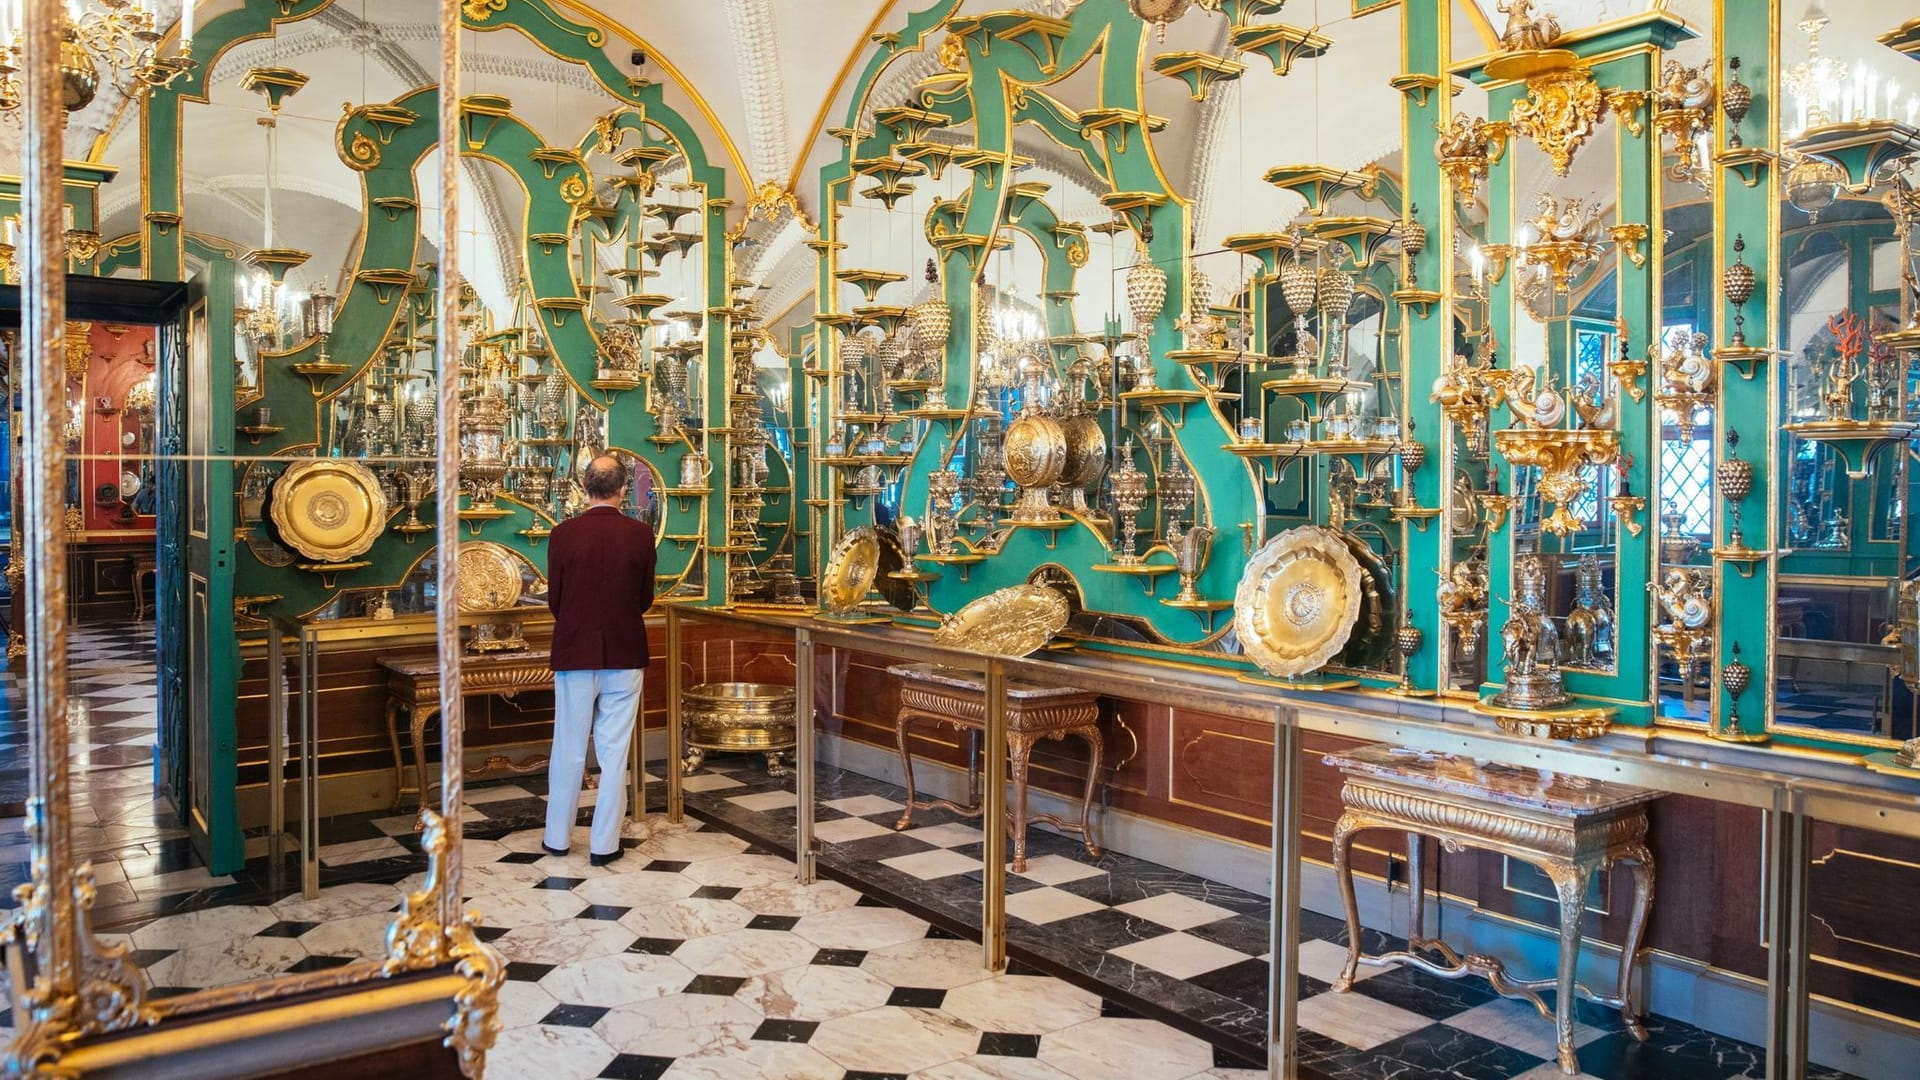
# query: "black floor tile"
[[839, 957], [791, 1031], [1006, 1044], [522, 971], [916, 997], [575, 1015], [636, 1067], [655, 946], [717, 985]]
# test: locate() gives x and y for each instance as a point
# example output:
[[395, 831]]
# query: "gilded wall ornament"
[[328, 509], [1558, 113], [1007, 622], [1298, 601], [851, 569], [362, 154], [490, 578]]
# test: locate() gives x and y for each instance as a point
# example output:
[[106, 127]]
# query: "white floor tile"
[[862, 805], [1048, 905], [1180, 955], [1358, 1020], [1175, 912], [1058, 870], [928, 865], [764, 801]]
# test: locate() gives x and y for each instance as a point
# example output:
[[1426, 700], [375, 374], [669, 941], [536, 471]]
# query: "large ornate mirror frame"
[[70, 989]]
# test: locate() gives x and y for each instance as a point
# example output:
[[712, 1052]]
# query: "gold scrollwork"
[[419, 939], [79, 348], [1076, 253], [363, 154], [574, 188], [953, 53], [481, 10], [1626, 106], [771, 199], [1558, 113], [110, 994]]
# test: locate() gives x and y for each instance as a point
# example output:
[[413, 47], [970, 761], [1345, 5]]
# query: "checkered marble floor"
[[1193, 952], [698, 955]]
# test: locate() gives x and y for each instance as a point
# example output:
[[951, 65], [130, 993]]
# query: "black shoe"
[[557, 852], [602, 860]]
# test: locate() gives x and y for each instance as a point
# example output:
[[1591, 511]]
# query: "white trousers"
[[605, 703]]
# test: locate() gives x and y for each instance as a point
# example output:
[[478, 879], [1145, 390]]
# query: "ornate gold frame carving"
[[72, 988]]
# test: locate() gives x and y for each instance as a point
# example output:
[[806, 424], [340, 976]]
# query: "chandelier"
[[1829, 91], [123, 38]]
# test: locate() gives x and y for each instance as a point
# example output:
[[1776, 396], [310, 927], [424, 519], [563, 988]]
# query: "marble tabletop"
[[417, 664], [1518, 786], [967, 680]]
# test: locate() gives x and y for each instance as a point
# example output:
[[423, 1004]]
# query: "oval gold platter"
[[327, 509], [851, 569], [490, 578], [1007, 622], [1298, 601]]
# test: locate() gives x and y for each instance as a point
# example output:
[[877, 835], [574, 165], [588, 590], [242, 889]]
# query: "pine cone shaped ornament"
[[932, 324], [891, 351], [1299, 286], [1146, 289], [853, 351], [1336, 292], [1199, 295], [1734, 476], [1735, 675]]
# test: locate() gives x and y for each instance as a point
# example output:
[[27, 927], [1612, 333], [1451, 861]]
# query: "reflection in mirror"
[[1844, 384]]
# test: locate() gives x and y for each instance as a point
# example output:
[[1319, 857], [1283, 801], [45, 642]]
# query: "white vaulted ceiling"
[[760, 80]]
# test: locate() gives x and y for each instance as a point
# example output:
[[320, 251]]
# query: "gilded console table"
[[1569, 827], [958, 698], [413, 688]]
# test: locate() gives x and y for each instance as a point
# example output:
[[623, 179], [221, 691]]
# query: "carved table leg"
[[1343, 833], [1642, 860], [777, 766], [906, 767], [1570, 882], [417, 729], [1416, 893], [1095, 748], [691, 763], [399, 763], [1019, 753]]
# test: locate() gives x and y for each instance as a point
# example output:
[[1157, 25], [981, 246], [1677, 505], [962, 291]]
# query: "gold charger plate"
[[851, 569], [327, 509], [490, 578], [1007, 622], [1298, 601]]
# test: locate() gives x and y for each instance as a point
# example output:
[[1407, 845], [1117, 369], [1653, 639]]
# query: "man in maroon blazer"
[[599, 585]]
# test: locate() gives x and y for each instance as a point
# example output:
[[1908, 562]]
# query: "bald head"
[[606, 478]]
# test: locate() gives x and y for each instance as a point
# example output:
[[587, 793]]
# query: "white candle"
[[186, 22], [6, 228], [1479, 260], [1872, 91]]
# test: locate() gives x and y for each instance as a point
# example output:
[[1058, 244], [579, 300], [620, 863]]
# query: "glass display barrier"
[[1245, 870]]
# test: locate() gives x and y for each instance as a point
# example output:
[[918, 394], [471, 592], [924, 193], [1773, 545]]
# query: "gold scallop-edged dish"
[[851, 569], [490, 578], [1298, 601], [327, 509], [1013, 621]]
